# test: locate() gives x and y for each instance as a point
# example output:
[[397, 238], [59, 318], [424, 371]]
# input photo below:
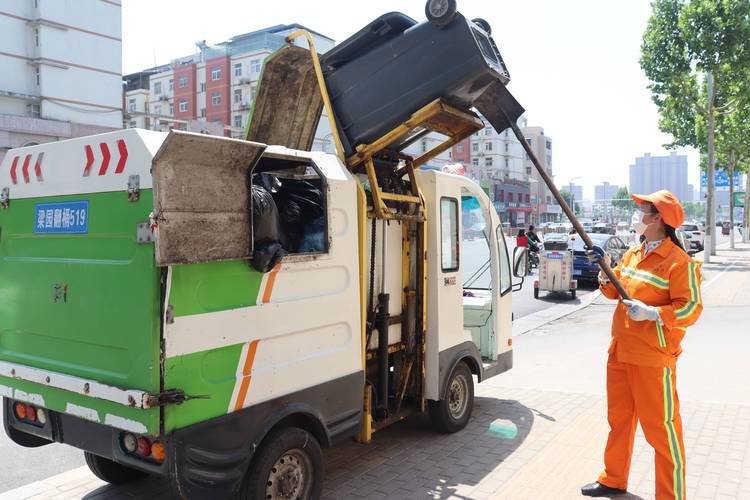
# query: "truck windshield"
[[475, 246]]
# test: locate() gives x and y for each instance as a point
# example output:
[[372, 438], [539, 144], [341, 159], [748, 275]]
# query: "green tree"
[[695, 52], [570, 200], [623, 200]]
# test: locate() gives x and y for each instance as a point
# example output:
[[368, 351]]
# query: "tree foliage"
[[623, 199], [684, 40]]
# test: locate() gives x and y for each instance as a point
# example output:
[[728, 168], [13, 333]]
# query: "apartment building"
[[60, 70]]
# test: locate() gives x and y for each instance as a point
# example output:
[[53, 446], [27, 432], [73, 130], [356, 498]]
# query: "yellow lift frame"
[[437, 116]]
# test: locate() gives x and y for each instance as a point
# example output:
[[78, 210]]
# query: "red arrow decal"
[[38, 167], [123, 156], [26, 169], [105, 158], [13, 171], [89, 161]]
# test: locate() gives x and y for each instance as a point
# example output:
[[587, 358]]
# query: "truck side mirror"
[[520, 262]]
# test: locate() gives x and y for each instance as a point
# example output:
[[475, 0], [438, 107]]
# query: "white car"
[[695, 234]]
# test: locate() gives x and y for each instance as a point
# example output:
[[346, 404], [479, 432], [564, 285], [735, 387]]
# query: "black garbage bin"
[[393, 67]]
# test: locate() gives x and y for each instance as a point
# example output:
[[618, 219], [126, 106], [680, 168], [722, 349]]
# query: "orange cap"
[[667, 205]]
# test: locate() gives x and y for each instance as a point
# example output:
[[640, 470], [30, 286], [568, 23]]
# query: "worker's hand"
[[594, 254], [638, 311], [603, 278]]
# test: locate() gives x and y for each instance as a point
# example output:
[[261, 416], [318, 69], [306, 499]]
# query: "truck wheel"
[[440, 12], [288, 465], [452, 413], [572, 295], [111, 472], [536, 293]]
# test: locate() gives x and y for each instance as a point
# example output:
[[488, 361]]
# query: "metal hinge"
[[134, 187], [143, 233], [169, 397], [5, 197]]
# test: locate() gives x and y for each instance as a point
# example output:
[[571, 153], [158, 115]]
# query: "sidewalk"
[[538, 431]]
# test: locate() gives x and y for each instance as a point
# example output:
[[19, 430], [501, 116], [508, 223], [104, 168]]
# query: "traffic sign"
[[721, 179], [739, 199]]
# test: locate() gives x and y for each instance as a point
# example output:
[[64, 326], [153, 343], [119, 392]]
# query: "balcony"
[[163, 98], [245, 80]]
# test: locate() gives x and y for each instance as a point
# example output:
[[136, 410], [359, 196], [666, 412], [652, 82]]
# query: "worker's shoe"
[[598, 489]]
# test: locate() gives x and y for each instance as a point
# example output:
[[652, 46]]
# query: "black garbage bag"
[[300, 203], [268, 237], [313, 236]]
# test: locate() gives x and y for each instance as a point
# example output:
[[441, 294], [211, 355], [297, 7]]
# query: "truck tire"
[[288, 465], [572, 295], [536, 292], [440, 12], [452, 413], [112, 472]]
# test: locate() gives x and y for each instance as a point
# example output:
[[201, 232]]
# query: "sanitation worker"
[[663, 283]]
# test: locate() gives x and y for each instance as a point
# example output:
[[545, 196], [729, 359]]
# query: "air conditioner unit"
[[245, 80], [244, 106], [163, 98]]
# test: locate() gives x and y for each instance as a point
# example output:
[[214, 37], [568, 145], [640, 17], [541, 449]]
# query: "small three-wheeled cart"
[[556, 269]]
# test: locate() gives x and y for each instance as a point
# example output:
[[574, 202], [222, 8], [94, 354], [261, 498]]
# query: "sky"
[[573, 65]]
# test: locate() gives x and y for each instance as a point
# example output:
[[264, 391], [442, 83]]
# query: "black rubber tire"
[[572, 295], [536, 293], [440, 411], [483, 24], [112, 472], [440, 12], [273, 448]]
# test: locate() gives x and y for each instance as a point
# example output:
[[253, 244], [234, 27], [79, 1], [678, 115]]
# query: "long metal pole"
[[571, 216], [709, 247]]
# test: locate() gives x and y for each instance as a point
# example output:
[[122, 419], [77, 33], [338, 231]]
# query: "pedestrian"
[[663, 283]]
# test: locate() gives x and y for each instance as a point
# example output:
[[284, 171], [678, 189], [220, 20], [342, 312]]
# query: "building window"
[[488, 146], [38, 75], [502, 195], [475, 162], [548, 144], [171, 109], [183, 106], [238, 69], [549, 161], [488, 162], [527, 198], [182, 82], [506, 147], [238, 121], [528, 139], [216, 98], [510, 197], [424, 145], [36, 36], [507, 163], [33, 110], [488, 131], [475, 147], [216, 74], [131, 105], [171, 84], [132, 124], [253, 88], [255, 66], [237, 96], [157, 88], [507, 132], [459, 148], [203, 87], [157, 110], [203, 112]]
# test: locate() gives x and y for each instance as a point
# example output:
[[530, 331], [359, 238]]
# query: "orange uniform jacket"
[[667, 278]]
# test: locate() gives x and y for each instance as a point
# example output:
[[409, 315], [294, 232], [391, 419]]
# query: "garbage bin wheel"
[[536, 292], [483, 24], [440, 12]]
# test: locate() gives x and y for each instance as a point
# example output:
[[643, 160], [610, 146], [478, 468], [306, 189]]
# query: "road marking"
[[713, 280]]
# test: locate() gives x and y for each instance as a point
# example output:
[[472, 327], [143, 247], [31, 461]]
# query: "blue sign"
[[721, 179], [554, 255], [71, 217]]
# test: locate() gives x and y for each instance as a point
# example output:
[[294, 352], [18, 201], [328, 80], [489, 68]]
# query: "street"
[[549, 406]]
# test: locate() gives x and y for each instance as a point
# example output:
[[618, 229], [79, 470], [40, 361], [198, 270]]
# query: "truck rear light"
[[20, 409], [158, 452], [41, 416], [144, 447], [130, 443], [30, 413]]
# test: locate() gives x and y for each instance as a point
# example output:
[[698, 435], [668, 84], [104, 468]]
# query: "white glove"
[[638, 311], [603, 278]]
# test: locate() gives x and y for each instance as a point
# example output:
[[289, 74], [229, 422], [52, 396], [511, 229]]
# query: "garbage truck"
[[216, 310]]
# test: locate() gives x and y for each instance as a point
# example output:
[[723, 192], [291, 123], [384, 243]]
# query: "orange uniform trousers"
[[646, 394]]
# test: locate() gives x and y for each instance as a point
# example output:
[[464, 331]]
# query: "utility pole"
[[710, 246]]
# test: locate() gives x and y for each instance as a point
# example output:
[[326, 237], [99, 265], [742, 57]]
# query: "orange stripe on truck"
[[246, 369], [269, 284]]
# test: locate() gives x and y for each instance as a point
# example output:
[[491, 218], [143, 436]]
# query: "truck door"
[[486, 275]]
